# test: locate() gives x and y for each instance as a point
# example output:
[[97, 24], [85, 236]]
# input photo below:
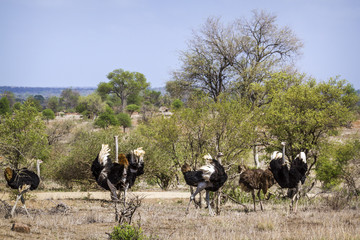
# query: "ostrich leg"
[[259, 196], [295, 198], [254, 199], [211, 212], [125, 191], [114, 198], [22, 190], [201, 186]]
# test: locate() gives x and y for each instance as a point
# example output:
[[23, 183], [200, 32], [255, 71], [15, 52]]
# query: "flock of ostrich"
[[117, 177]]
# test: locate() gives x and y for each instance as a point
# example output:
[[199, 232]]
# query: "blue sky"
[[76, 43]]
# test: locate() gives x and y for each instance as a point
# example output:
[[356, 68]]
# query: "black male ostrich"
[[210, 177], [251, 179], [117, 176], [291, 178], [23, 180]]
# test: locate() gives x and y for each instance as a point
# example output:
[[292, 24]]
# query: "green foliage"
[[122, 84], [4, 106], [153, 97], [190, 133], [69, 99], [127, 232], [90, 105], [339, 163], [132, 108], [35, 102], [107, 119], [124, 120], [48, 114], [53, 104], [306, 113], [22, 136], [17, 105], [177, 104]]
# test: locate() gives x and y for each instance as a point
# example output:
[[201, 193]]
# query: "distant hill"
[[24, 92]]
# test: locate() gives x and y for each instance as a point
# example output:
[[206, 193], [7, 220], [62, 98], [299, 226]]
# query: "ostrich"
[[23, 180], [210, 177], [291, 178], [117, 176], [251, 179]]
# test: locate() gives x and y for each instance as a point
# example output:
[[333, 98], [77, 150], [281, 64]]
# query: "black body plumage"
[[217, 179], [111, 171], [289, 178], [114, 173], [133, 171], [22, 177]]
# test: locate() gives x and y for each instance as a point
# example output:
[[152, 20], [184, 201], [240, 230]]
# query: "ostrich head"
[[138, 156]]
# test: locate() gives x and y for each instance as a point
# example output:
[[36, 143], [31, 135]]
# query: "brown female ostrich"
[[251, 179]]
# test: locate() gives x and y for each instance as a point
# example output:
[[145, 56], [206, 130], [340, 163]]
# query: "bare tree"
[[262, 48], [227, 58]]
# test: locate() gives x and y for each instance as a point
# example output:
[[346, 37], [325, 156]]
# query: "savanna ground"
[[163, 217]]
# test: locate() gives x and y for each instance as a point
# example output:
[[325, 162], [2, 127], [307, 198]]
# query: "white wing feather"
[[104, 153]]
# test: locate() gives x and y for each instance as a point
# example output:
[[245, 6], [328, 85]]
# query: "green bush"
[[177, 104], [48, 114], [127, 232]]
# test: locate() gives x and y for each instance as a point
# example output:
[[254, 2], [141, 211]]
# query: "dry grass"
[[166, 219]]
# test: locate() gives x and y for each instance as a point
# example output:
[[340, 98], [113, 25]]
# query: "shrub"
[[48, 114], [177, 104], [127, 232], [106, 119]]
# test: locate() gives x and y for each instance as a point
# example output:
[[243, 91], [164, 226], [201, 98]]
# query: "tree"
[[90, 105], [4, 106], [22, 136], [69, 98], [264, 48], [122, 84], [53, 104], [40, 99], [307, 113], [231, 58], [132, 108], [124, 120], [35, 103], [48, 114], [10, 96]]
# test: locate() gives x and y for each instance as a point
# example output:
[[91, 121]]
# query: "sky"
[[76, 43]]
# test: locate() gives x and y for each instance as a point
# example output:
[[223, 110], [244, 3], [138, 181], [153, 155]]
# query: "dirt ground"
[[162, 216]]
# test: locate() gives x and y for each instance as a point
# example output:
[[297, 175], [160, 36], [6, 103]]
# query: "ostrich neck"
[[283, 154], [38, 168]]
